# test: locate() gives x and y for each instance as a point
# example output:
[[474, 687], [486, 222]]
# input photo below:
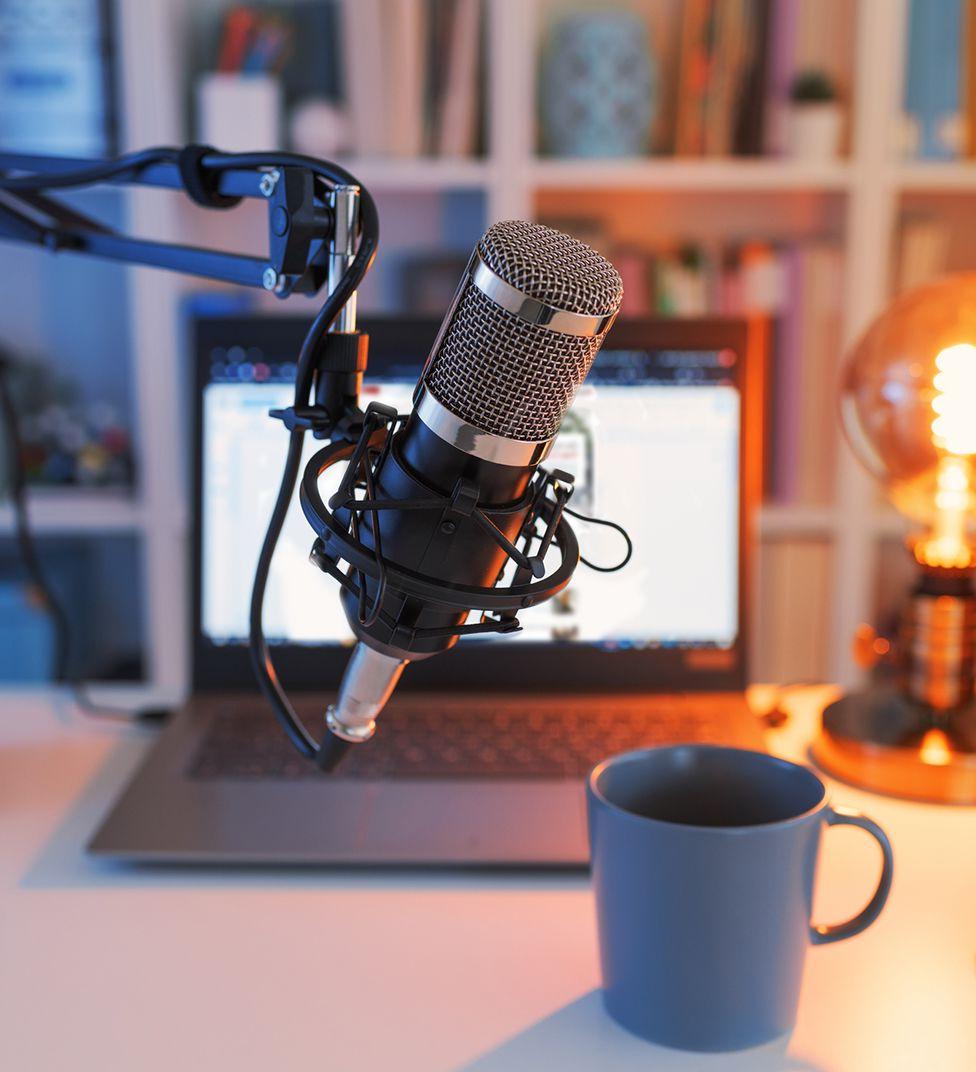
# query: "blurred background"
[[798, 162]]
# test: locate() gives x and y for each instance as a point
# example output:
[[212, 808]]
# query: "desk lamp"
[[908, 406]]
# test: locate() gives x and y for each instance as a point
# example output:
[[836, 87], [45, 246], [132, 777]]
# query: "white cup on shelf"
[[815, 131], [239, 112]]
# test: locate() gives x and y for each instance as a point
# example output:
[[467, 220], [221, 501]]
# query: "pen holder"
[[239, 112]]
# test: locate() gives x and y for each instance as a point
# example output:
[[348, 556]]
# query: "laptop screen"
[[653, 440]]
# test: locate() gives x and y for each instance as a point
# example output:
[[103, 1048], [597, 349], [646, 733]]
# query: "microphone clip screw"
[[269, 180]]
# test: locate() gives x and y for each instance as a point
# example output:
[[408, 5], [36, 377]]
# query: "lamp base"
[[882, 740]]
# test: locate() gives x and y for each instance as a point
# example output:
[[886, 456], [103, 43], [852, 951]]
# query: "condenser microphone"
[[530, 314]]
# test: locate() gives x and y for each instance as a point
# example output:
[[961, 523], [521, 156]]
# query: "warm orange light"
[[909, 410], [954, 427], [935, 749], [954, 436]]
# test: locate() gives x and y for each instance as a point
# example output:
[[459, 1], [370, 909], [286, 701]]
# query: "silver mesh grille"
[[552, 267], [506, 376], [503, 374]]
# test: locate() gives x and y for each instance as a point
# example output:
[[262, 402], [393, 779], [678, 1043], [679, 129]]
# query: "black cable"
[[369, 618], [86, 176], [610, 525], [330, 751], [261, 659]]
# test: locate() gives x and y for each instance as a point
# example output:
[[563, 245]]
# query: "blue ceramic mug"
[[703, 864]]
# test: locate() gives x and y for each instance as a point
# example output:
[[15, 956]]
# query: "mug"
[[703, 863]]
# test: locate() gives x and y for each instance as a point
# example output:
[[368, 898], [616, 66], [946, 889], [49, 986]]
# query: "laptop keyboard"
[[451, 737]]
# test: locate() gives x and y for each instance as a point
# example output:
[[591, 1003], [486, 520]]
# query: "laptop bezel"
[[504, 667]]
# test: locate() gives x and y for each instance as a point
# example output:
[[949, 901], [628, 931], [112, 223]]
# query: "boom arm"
[[322, 228], [300, 218]]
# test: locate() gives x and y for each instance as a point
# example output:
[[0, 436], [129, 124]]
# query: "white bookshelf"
[[424, 173], [77, 510], [729, 176], [867, 185], [935, 177]]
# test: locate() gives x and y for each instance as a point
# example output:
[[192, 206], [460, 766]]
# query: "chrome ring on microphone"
[[531, 310], [472, 440]]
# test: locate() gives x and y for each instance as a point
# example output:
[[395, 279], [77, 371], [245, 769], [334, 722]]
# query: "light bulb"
[[908, 405]]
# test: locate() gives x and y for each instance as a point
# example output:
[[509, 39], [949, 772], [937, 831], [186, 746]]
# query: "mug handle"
[[822, 933]]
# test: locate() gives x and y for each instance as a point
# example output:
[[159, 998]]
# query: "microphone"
[[453, 488]]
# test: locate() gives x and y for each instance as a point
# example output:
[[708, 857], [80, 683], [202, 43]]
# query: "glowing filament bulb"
[[954, 432], [954, 427]]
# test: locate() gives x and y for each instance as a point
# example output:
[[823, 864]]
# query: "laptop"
[[479, 758]]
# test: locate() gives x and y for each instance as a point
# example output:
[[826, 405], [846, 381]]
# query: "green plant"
[[812, 87]]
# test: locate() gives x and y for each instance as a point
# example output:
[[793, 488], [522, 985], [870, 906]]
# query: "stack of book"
[[922, 249], [940, 80], [412, 75], [798, 286], [726, 68], [793, 628]]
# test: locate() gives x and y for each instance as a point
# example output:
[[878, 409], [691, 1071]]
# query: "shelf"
[[935, 176], [77, 510], [777, 522], [783, 521], [730, 175], [421, 173]]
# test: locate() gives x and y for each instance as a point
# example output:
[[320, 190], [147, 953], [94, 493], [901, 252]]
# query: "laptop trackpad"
[[497, 822]]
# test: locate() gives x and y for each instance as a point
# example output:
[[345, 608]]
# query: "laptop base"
[[461, 780]]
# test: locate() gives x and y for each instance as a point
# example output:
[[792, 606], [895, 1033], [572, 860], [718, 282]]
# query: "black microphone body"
[[529, 316], [447, 544]]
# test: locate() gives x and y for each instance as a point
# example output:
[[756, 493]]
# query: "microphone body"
[[527, 320]]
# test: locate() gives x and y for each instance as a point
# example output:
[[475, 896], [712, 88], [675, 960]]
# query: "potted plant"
[[816, 118]]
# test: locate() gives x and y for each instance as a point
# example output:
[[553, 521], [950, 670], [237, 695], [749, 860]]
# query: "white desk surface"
[[107, 968]]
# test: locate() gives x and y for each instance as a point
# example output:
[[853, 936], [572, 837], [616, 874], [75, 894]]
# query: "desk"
[[107, 968]]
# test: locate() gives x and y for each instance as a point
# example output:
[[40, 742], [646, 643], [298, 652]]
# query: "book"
[[457, 113], [718, 43], [404, 28], [786, 380], [314, 62], [365, 75], [923, 247], [749, 122], [696, 31], [793, 611], [732, 47], [969, 78], [635, 268], [665, 20], [932, 78], [817, 408], [780, 70], [440, 19]]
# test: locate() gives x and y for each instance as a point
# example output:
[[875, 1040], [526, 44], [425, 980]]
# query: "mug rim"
[[594, 791]]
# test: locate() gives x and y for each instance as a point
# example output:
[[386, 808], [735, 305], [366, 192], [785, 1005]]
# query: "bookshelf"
[[737, 176], [856, 200], [78, 511], [948, 177]]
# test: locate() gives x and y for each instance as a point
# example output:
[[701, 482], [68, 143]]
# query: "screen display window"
[[652, 439]]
